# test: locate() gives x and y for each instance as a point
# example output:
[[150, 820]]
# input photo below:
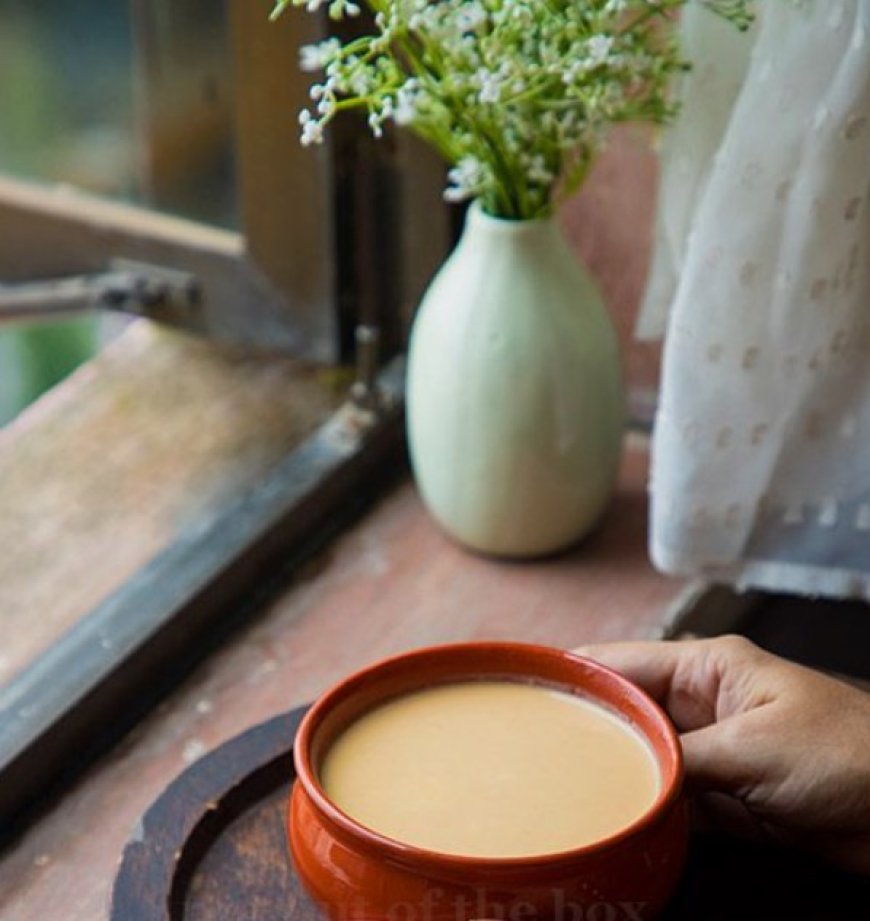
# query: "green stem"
[[459, 114]]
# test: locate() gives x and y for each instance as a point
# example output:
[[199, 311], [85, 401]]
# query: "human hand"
[[772, 749]]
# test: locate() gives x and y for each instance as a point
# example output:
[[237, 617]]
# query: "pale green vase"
[[515, 400]]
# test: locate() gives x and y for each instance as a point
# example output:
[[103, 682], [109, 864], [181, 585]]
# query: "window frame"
[[366, 259], [348, 207]]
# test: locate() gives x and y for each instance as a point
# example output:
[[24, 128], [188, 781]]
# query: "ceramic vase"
[[515, 402]]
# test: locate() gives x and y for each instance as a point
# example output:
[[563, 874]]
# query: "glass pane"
[[66, 94], [184, 108], [129, 100]]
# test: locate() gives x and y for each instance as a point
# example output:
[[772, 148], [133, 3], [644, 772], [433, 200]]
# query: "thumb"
[[719, 759]]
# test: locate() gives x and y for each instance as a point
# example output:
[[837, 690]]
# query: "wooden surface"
[[76, 699], [392, 583], [214, 846], [153, 436]]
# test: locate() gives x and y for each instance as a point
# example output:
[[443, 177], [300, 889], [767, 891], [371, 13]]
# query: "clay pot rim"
[[391, 849]]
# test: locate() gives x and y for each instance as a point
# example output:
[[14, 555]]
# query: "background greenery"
[[65, 116]]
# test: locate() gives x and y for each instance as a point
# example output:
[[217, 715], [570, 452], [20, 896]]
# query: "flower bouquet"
[[515, 95]]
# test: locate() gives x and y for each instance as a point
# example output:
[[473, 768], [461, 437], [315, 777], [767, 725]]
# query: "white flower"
[[511, 91], [598, 49], [338, 9], [536, 170], [324, 95], [591, 55], [360, 82], [465, 179], [428, 19], [316, 57], [312, 129], [407, 97], [490, 85], [470, 16], [376, 125], [309, 58], [377, 117], [490, 91]]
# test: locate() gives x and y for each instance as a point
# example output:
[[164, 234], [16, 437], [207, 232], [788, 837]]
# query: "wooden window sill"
[[153, 436]]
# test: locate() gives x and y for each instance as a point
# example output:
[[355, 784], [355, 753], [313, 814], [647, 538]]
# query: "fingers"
[[651, 665], [682, 677], [696, 681], [710, 690]]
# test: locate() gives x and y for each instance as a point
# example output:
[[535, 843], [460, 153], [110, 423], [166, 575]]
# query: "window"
[[190, 163], [213, 138]]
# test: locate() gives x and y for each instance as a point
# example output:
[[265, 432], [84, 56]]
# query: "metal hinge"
[[165, 295]]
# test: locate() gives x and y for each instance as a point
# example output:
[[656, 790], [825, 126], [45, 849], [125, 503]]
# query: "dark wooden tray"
[[213, 848]]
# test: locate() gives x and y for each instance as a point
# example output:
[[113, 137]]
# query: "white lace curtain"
[[761, 286]]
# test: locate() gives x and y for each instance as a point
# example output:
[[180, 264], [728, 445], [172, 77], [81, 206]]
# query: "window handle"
[[165, 295]]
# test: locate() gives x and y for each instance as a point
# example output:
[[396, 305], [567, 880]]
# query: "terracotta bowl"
[[355, 873]]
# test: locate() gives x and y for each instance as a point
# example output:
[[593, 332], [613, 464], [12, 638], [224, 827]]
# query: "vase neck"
[[477, 217], [483, 230]]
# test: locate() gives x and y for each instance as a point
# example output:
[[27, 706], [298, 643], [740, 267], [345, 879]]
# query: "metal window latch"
[[165, 295], [365, 392]]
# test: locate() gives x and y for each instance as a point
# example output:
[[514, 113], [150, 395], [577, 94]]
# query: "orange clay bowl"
[[355, 873]]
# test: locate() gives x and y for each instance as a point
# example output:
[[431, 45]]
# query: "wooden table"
[[391, 583]]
